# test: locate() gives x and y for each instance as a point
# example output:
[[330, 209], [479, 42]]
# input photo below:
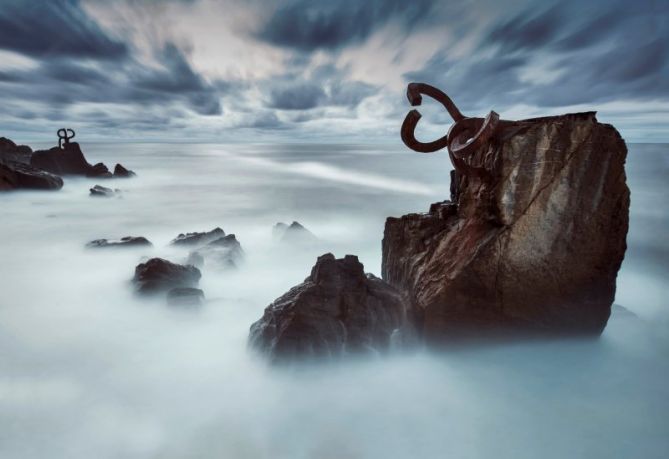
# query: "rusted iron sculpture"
[[465, 136], [63, 137]]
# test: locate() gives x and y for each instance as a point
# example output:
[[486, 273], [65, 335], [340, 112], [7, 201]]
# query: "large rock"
[[14, 175], [68, 160], [159, 275], [336, 310], [533, 245]]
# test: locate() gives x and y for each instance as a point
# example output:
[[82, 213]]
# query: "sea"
[[90, 370]]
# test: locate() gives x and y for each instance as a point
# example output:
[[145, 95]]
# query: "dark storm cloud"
[[593, 55], [41, 28], [308, 25], [63, 82]]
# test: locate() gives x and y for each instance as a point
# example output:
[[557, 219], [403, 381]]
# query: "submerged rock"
[[224, 252], [185, 296], [195, 239], [533, 245], [336, 310], [127, 241], [101, 191], [122, 172], [294, 232], [14, 175], [159, 275]]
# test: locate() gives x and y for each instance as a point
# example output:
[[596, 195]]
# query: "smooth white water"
[[87, 370]]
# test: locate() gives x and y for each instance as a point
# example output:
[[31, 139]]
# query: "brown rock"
[[534, 246], [336, 310]]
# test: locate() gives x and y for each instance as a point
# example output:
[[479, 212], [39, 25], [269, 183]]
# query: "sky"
[[323, 71]]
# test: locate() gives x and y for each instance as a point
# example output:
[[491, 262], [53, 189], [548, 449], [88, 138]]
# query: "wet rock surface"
[[533, 245], [337, 310], [127, 241], [196, 239], [159, 275]]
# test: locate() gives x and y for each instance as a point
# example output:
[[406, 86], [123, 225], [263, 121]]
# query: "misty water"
[[88, 370]]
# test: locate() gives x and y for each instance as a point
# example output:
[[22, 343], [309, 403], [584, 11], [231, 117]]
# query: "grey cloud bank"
[[336, 68]]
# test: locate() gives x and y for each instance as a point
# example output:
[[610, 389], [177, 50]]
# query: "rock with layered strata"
[[531, 246]]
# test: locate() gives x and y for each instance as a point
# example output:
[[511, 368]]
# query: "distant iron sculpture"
[[64, 138], [465, 136]]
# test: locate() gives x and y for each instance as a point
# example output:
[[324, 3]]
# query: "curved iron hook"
[[407, 132]]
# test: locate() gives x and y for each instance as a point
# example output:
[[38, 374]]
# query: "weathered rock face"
[[127, 241], [534, 245], [337, 309], [159, 275], [15, 175]]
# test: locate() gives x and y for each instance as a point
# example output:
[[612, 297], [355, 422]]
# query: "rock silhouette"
[[533, 245]]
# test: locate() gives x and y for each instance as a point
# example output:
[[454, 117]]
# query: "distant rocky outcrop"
[[532, 243], [336, 310], [159, 275], [127, 241], [224, 252], [70, 160], [196, 239], [66, 161], [103, 192], [122, 172], [293, 233]]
